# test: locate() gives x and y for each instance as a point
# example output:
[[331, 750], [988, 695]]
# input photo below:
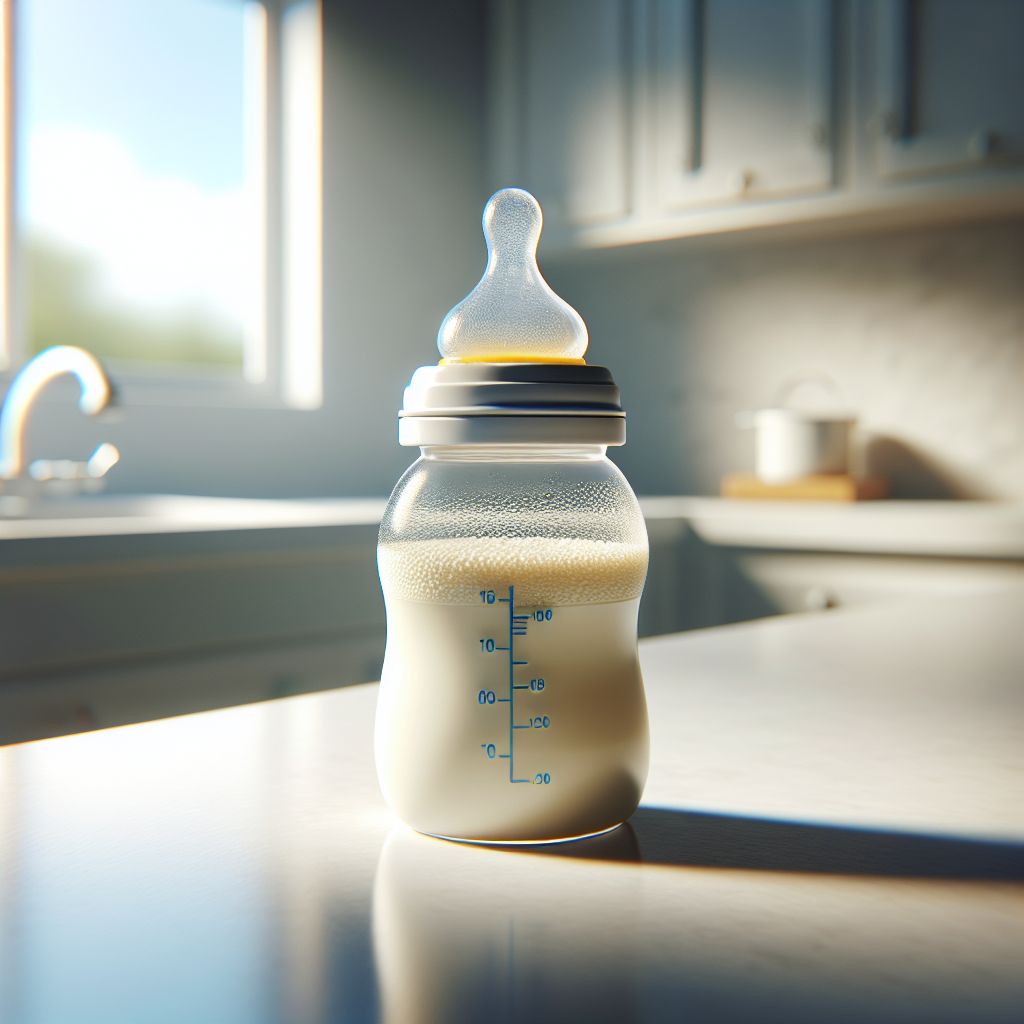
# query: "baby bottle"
[[512, 557]]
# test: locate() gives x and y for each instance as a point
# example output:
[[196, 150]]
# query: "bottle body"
[[512, 707]]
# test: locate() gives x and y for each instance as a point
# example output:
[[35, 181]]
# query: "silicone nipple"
[[512, 315]]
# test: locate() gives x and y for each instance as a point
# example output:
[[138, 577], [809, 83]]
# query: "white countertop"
[[906, 716], [971, 529], [111, 515], [241, 864], [960, 529]]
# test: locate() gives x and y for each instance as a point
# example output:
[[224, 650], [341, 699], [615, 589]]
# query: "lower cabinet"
[[692, 584], [802, 582]]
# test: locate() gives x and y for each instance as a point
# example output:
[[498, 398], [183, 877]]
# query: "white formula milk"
[[511, 704]]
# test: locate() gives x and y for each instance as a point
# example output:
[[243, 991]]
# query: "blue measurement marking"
[[516, 627], [512, 633]]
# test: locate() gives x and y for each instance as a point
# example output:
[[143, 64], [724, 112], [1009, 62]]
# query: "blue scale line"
[[511, 692]]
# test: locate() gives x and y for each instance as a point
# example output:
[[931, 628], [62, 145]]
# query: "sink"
[[22, 516]]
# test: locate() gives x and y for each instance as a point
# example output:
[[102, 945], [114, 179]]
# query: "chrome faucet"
[[33, 376]]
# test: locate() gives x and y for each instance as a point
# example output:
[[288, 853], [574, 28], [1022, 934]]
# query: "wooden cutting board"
[[819, 487]]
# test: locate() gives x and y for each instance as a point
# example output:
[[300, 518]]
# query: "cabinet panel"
[[744, 98], [635, 120], [574, 91], [950, 84]]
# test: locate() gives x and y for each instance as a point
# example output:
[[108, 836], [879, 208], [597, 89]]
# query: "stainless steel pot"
[[793, 443]]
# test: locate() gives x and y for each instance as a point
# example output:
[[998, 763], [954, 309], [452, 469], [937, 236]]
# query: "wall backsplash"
[[923, 331]]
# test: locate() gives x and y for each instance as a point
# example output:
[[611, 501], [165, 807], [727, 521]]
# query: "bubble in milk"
[[512, 315], [543, 570]]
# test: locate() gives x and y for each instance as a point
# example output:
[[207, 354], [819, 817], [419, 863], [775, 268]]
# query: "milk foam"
[[543, 570]]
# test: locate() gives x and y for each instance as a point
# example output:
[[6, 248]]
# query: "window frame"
[[283, 352]]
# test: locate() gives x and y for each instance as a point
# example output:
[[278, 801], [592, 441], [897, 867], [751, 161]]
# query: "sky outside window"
[[139, 225]]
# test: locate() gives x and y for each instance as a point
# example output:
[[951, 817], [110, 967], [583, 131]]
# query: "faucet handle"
[[101, 460]]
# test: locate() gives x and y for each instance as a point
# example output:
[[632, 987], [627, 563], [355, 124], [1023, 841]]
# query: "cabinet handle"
[[981, 145], [901, 122], [741, 180]]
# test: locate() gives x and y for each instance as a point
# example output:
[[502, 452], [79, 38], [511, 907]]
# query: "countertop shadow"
[[694, 839]]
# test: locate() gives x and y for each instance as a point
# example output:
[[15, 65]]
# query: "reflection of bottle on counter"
[[512, 557], [464, 934]]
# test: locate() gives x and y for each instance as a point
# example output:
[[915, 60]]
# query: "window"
[[163, 193]]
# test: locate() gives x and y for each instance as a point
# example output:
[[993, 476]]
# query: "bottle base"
[[523, 842]]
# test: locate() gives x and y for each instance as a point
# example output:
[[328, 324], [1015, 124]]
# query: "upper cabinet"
[[743, 98], [561, 119], [575, 94], [950, 85], [635, 120]]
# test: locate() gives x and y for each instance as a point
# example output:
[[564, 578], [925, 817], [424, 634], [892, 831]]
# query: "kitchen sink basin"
[[22, 516]]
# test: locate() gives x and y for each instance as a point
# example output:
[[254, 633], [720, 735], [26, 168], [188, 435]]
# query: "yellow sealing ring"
[[511, 358]]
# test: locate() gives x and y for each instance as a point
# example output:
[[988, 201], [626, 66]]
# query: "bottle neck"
[[515, 453]]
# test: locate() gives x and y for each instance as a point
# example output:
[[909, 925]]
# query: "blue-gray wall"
[[923, 331]]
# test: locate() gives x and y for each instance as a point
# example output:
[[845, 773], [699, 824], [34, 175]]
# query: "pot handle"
[[795, 380]]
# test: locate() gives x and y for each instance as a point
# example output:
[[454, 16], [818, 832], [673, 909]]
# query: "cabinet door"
[[570, 66], [744, 98], [950, 85]]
